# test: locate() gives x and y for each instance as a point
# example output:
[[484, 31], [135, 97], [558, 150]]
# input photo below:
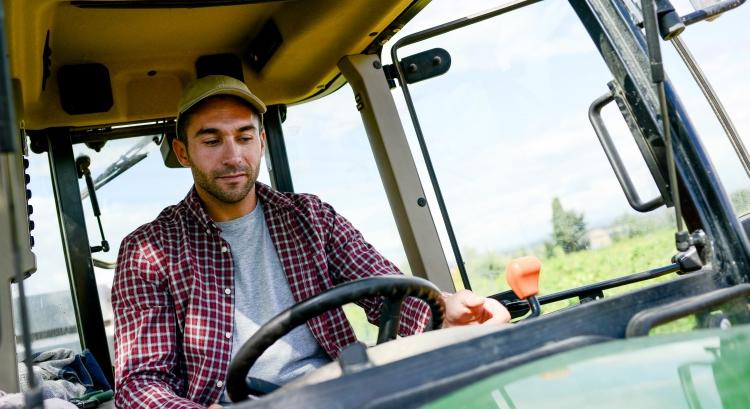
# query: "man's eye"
[[210, 142]]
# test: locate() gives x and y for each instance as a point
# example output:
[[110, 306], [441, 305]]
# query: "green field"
[[562, 271]]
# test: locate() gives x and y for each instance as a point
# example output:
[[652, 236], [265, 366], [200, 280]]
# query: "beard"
[[230, 195]]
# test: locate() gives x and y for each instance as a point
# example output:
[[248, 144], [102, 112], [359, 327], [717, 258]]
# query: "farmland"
[[559, 271]]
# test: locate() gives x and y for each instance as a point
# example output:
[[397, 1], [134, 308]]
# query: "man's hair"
[[186, 116]]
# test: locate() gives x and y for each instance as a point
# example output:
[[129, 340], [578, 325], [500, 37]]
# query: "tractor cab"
[[571, 160]]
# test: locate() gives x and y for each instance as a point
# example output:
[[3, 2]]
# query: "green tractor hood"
[[701, 369]]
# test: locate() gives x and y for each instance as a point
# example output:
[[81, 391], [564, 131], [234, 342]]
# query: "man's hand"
[[468, 308], [215, 406]]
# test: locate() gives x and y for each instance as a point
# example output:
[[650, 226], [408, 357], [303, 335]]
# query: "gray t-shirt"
[[262, 291]]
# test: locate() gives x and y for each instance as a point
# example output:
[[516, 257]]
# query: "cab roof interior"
[[93, 63]]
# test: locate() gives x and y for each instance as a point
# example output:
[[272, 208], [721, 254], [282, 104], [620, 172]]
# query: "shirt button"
[[228, 335], [228, 291], [208, 231], [224, 249], [219, 384]]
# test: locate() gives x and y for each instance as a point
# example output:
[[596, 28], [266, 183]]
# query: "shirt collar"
[[270, 198]]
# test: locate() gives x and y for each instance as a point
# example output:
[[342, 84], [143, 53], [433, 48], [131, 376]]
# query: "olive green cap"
[[212, 85]]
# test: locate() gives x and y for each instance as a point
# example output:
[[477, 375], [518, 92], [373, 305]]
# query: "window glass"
[[133, 198], [520, 167], [725, 67], [52, 321], [330, 156], [130, 200]]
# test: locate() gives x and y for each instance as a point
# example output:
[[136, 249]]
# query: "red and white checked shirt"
[[173, 294]]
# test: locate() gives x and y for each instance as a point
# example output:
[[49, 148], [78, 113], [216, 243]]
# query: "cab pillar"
[[397, 169]]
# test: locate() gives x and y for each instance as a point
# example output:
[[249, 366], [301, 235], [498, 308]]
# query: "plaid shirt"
[[173, 294]]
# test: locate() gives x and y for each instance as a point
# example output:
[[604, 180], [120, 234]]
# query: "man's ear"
[[180, 151], [263, 140]]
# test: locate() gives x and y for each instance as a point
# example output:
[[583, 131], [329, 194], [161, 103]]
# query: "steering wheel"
[[394, 288]]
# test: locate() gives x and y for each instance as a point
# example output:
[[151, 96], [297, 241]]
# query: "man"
[[198, 281]]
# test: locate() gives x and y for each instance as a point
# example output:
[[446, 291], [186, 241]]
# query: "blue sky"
[[506, 127]]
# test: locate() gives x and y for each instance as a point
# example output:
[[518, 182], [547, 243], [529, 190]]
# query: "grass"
[[565, 271], [560, 272]]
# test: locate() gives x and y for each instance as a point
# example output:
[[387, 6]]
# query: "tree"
[[568, 228]]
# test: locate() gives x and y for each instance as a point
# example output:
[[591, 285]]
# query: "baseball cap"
[[212, 85]]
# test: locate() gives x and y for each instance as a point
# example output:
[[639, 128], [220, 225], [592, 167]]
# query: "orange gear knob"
[[522, 275]]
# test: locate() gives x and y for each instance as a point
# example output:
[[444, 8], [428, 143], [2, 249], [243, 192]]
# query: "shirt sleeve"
[[146, 340], [350, 257]]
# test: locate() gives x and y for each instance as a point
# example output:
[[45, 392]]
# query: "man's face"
[[224, 148]]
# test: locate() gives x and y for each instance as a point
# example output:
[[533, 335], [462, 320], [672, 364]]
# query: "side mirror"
[[709, 10], [420, 66]]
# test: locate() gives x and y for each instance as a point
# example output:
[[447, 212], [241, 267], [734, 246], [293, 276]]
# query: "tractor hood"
[[702, 369]]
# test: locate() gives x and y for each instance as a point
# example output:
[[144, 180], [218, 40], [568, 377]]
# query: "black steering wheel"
[[394, 288]]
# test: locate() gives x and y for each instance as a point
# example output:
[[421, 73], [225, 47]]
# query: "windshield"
[[517, 161], [721, 49]]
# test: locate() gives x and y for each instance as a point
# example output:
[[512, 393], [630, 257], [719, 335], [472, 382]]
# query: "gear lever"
[[522, 275]]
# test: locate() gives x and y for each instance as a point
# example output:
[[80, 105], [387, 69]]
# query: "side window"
[[724, 68], [519, 166], [133, 198], [48, 295], [126, 203]]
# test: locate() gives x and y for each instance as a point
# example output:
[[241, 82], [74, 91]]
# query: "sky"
[[506, 128]]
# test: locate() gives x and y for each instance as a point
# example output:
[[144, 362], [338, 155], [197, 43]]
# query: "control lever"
[[82, 165], [522, 275]]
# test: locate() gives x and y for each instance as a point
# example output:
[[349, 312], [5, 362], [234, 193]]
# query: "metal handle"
[[595, 116]]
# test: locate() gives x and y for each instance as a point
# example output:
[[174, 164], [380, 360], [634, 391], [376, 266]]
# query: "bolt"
[[698, 237], [436, 60], [376, 64], [412, 68], [421, 202]]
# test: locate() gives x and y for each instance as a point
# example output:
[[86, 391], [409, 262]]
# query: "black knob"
[[82, 165]]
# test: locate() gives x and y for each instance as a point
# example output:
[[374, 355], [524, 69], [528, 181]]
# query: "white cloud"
[[505, 41], [317, 119]]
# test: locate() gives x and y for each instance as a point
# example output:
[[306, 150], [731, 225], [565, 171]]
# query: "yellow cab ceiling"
[[150, 47]]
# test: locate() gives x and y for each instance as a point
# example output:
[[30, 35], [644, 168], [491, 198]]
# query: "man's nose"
[[232, 153]]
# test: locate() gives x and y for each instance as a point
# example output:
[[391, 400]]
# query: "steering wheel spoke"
[[390, 313]]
